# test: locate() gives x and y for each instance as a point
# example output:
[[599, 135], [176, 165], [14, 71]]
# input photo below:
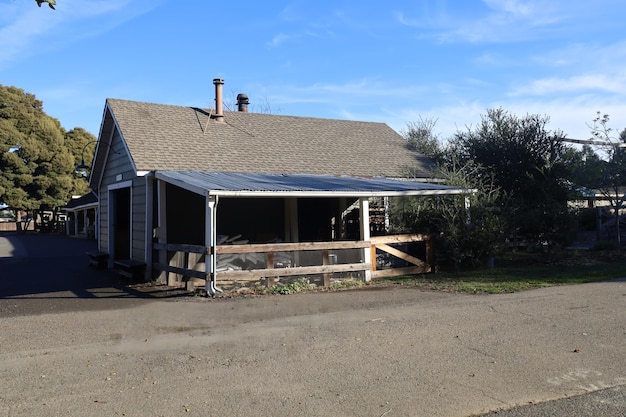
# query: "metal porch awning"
[[237, 184]]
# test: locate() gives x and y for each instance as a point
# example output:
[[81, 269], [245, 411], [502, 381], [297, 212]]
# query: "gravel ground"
[[114, 351]]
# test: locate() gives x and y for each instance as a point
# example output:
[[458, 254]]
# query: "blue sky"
[[391, 61]]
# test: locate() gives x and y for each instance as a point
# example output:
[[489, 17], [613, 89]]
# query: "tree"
[[421, 135], [51, 3], [463, 235], [526, 161], [36, 167], [613, 172], [81, 144], [585, 166]]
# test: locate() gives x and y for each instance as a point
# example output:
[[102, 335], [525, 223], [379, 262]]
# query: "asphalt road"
[[75, 341], [610, 402], [50, 274]]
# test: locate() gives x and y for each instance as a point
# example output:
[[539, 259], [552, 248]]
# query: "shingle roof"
[[167, 137], [89, 199]]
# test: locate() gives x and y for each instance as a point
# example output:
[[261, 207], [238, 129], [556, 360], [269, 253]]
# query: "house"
[[179, 182]]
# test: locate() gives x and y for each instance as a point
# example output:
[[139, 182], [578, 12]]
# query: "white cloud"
[[277, 40], [25, 29], [613, 84], [503, 21], [282, 38]]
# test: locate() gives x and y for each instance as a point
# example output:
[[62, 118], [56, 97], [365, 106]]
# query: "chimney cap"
[[242, 102], [218, 81]]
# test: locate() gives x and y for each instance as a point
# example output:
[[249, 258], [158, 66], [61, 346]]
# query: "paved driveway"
[[50, 273]]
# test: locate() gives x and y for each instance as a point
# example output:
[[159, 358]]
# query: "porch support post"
[[76, 213], [292, 233], [161, 230], [85, 223], [386, 205], [340, 225], [364, 212], [291, 220], [210, 241], [149, 235]]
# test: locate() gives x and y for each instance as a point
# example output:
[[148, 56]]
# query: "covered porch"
[[231, 229]]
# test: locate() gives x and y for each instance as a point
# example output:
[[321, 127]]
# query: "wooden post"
[[161, 230], [373, 256], [149, 233], [326, 261], [270, 265], [76, 223], [292, 233], [429, 254]]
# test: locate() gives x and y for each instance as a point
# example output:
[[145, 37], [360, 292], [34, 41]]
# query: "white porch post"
[[468, 215], [364, 213], [210, 241], [387, 222], [76, 223]]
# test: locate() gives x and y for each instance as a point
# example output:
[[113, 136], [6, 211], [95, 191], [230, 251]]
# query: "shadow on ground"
[[55, 268]]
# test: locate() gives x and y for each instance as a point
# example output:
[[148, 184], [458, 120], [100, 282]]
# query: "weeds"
[[299, 285], [513, 273]]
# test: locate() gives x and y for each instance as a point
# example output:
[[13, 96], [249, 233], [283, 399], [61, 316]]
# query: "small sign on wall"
[[118, 177]]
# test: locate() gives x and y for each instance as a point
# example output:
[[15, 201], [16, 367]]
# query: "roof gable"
[[167, 137]]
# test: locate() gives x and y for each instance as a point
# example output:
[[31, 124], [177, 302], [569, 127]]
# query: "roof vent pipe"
[[242, 102], [219, 101]]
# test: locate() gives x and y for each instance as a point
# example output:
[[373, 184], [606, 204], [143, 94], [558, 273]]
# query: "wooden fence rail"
[[187, 261], [419, 266]]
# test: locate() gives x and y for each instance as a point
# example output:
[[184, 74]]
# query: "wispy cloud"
[[615, 84], [575, 69], [498, 21], [353, 92], [27, 30], [278, 39]]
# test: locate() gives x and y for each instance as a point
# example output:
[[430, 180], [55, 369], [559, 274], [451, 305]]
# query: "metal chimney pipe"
[[242, 102], [219, 101]]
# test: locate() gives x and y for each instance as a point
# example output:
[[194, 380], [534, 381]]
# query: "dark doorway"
[[120, 200]]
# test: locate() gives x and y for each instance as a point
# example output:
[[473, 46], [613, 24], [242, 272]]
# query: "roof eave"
[[326, 194]]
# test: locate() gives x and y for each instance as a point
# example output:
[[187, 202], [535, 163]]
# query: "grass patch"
[[522, 271], [298, 285], [345, 284], [514, 272]]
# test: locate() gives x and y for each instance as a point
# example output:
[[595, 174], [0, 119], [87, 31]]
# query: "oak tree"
[[36, 165]]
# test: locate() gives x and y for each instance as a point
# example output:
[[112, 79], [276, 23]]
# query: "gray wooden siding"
[[103, 219], [138, 248], [119, 162]]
